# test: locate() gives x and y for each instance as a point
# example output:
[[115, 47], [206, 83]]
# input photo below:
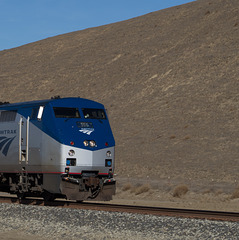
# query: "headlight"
[[71, 153], [86, 143], [92, 143], [108, 154]]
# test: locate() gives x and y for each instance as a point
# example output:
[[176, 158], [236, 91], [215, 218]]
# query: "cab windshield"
[[94, 113], [65, 112]]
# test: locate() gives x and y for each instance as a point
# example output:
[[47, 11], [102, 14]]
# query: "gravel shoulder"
[[36, 222]]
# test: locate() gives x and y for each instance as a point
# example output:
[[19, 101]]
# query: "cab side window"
[[34, 113], [37, 113]]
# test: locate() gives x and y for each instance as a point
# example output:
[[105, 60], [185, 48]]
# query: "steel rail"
[[158, 211]]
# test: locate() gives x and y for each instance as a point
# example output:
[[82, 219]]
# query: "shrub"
[[142, 189], [127, 187], [235, 194], [180, 190]]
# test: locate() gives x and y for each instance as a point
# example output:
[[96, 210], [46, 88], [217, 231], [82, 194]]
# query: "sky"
[[26, 21]]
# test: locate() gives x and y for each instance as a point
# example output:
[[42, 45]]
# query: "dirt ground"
[[16, 235], [203, 201], [192, 195]]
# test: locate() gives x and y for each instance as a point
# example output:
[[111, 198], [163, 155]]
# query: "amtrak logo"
[[5, 143], [87, 131]]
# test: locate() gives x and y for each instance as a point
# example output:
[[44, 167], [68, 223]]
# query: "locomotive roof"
[[46, 101]]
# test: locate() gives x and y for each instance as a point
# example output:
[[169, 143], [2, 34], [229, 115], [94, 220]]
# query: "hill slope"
[[169, 80]]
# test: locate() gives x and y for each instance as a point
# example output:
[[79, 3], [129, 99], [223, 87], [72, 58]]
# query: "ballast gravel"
[[37, 222]]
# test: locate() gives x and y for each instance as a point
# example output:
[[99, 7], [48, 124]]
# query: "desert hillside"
[[169, 80]]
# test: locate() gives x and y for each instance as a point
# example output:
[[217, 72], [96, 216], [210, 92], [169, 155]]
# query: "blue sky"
[[26, 21]]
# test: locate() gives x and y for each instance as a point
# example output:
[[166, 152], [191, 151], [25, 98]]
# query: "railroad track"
[[172, 212]]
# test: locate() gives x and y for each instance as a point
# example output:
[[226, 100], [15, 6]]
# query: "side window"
[[8, 116], [34, 113], [37, 113]]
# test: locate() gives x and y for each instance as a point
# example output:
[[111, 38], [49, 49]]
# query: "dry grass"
[[207, 191], [127, 187], [136, 189], [180, 191], [235, 194], [142, 189]]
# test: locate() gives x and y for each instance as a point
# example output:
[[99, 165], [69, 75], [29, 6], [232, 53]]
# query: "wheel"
[[21, 195], [48, 197]]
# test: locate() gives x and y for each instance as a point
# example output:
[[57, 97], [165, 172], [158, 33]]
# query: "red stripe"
[[32, 172], [50, 172]]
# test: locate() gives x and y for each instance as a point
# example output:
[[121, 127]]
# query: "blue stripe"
[[3, 143], [5, 150]]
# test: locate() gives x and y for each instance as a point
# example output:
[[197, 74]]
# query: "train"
[[57, 148]]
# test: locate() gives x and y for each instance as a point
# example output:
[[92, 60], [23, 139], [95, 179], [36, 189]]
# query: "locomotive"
[[57, 148]]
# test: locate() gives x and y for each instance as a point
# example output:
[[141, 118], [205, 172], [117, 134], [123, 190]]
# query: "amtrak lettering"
[[8, 132]]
